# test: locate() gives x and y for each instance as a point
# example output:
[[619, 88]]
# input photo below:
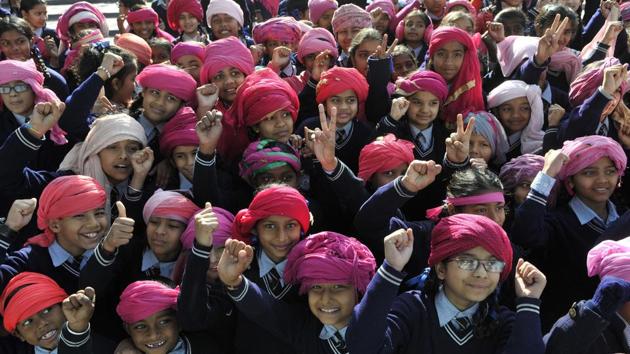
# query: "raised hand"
[[206, 222], [321, 64], [555, 114], [605, 6], [323, 141], [45, 116], [614, 76], [382, 52], [21, 213], [236, 258], [209, 129], [112, 63], [613, 29], [478, 163], [207, 96], [257, 50], [458, 144], [554, 160], [420, 174], [399, 108], [78, 309], [141, 161], [398, 248], [623, 132], [51, 46], [529, 281], [121, 231], [281, 57], [496, 31], [548, 44]]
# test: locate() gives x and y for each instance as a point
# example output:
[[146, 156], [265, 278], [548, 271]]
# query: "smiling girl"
[[186, 17], [144, 22]]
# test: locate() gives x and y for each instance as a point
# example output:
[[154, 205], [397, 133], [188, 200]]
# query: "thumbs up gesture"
[[121, 231], [205, 224]]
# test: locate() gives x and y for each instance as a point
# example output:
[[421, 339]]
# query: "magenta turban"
[[168, 78], [148, 14], [177, 7], [383, 155], [227, 52], [461, 232], [169, 205], [610, 258], [178, 131], [588, 81], [519, 169], [220, 235], [264, 155], [317, 40], [188, 48], [350, 15], [330, 258], [585, 151], [424, 80], [142, 299], [387, 6], [316, 8], [282, 29]]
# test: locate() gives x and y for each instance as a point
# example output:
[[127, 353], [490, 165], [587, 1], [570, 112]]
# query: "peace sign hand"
[[380, 52], [324, 139], [321, 64], [458, 144], [548, 43]]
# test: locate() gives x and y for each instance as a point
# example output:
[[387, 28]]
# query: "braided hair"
[[22, 27]]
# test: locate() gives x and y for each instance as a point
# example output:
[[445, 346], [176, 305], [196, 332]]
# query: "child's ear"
[[440, 270], [571, 184], [116, 83], [54, 225]]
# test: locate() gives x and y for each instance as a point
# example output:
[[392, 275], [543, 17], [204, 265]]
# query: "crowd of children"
[[321, 176]]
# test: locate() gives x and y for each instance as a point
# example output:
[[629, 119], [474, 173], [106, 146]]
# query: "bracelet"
[[29, 126], [109, 75]]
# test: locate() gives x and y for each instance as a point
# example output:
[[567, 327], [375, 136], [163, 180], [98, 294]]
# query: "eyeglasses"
[[19, 88], [472, 264]]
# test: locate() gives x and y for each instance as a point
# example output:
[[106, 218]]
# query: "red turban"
[[66, 196], [262, 93], [175, 9], [588, 81], [282, 29], [142, 299], [148, 14], [224, 53], [425, 80], [168, 78], [169, 205], [383, 155], [25, 295], [280, 201], [330, 258], [188, 48], [136, 45], [316, 41], [337, 80], [272, 6], [465, 94], [179, 130], [461, 232]]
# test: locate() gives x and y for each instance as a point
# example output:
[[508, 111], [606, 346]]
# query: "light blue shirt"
[[265, 264], [148, 127], [586, 214], [446, 311], [546, 95], [59, 255], [426, 133], [184, 183], [149, 260], [40, 350], [180, 347], [329, 331], [21, 119]]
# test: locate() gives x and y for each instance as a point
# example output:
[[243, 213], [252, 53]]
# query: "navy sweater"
[[386, 323]]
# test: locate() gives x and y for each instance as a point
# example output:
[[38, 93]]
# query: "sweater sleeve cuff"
[[528, 304], [604, 93], [205, 160], [27, 139], [543, 183], [201, 251], [401, 190], [103, 257], [390, 274], [73, 339], [456, 165], [337, 172], [237, 294]]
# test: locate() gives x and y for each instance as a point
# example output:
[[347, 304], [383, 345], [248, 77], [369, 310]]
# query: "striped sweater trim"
[[389, 276]]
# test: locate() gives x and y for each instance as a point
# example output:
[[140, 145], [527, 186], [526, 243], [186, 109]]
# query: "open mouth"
[[155, 345], [122, 166], [90, 235], [48, 335], [329, 310]]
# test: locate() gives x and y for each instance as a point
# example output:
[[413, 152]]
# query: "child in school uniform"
[[313, 42], [179, 143], [589, 168], [269, 161], [488, 142], [36, 14], [383, 16], [600, 324], [456, 312], [517, 176], [186, 18], [278, 32], [189, 56], [347, 21], [144, 22], [45, 319], [415, 31], [519, 108], [333, 270], [148, 309], [225, 19], [320, 12], [160, 50]]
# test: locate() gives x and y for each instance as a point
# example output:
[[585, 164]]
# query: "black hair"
[[512, 14], [22, 27], [92, 58], [425, 18], [132, 3], [161, 43], [548, 14], [28, 5], [135, 8], [366, 34], [471, 181]]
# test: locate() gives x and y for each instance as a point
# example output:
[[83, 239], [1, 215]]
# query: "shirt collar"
[[328, 331], [514, 138], [40, 350], [547, 95], [59, 255], [265, 264], [426, 132], [184, 183], [148, 127], [289, 70], [20, 118], [149, 260], [180, 347], [586, 214], [603, 122], [347, 128], [446, 311]]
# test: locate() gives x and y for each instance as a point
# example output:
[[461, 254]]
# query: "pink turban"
[[316, 8], [387, 6], [169, 205], [282, 29], [148, 14], [514, 49], [424, 80], [461, 232], [223, 53], [136, 45], [79, 12], [585, 151], [25, 71], [277, 200], [142, 299], [262, 93], [329, 258], [228, 7], [350, 15], [264, 155], [426, 37], [168, 78], [519, 169], [317, 40], [465, 3], [337, 80], [625, 11], [532, 136], [25, 295], [177, 7], [220, 235], [588, 81], [179, 131], [610, 258], [489, 127], [383, 155], [94, 36], [272, 6], [63, 197], [465, 93], [188, 48]]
